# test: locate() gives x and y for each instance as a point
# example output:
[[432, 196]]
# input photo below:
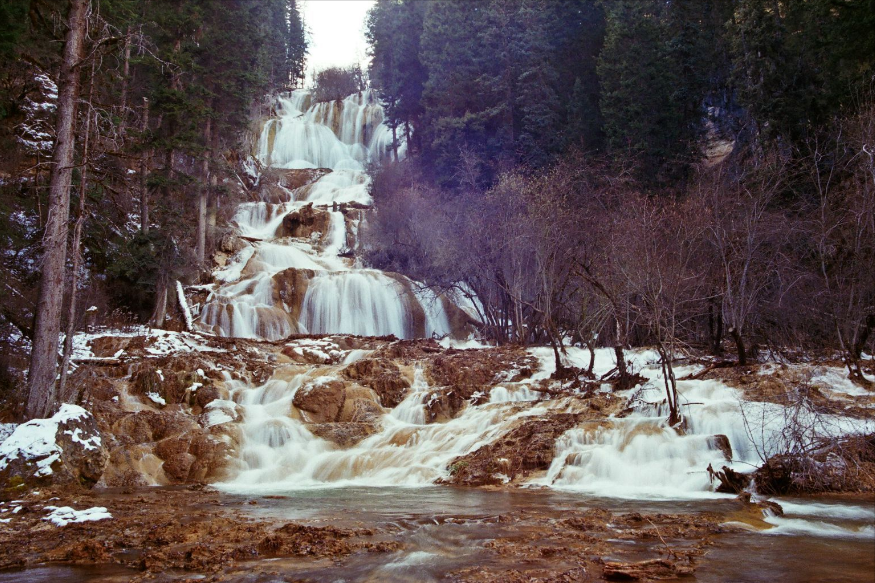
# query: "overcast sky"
[[337, 36]]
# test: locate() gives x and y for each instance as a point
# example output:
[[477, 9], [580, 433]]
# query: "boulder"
[[731, 482], [109, 346], [321, 399], [360, 405], [304, 222], [721, 442], [343, 434], [527, 448], [66, 449], [381, 375], [291, 287]]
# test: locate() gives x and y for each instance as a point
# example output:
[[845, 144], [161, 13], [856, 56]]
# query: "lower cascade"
[[292, 267]]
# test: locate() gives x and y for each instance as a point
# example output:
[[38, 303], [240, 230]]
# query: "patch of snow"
[[469, 344], [220, 411], [64, 515], [183, 303], [91, 443], [157, 399], [35, 440], [166, 342]]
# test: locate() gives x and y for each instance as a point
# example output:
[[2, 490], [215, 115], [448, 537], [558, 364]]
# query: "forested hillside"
[[636, 172], [158, 98]]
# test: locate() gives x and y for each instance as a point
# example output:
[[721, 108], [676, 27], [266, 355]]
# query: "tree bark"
[[44, 355], [75, 248], [203, 198], [144, 173], [739, 345]]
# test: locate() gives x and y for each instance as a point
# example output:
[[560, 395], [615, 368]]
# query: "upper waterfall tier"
[[295, 269], [341, 135]]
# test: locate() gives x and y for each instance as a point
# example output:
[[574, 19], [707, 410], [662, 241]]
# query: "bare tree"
[[743, 231], [843, 232]]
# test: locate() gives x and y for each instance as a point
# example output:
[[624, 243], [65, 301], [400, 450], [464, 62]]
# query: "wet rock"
[[446, 403], [304, 222], [321, 400], [721, 442], [381, 375], [646, 570], [306, 541], [291, 287], [731, 482], [409, 351], [343, 434], [360, 406], [109, 346], [842, 465], [471, 370], [194, 456], [66, 450], [527, 448]]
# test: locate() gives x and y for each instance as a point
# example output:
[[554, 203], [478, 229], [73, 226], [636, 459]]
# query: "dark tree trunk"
[[144, 174], [44, 355], [75, 249], [739, 345], [203, 198], [715, 321]]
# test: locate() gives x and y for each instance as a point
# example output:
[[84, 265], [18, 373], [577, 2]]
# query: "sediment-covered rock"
[[381, 375], [342, 433], [843, 465], [527, 448], [321, 400], [66, 449]]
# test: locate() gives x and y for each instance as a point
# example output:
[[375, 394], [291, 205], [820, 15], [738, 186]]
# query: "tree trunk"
[[44, 355], [144, 173], [739, 345], [715, 325], [126, 73], [75, 249], [160, 312], [203, 198]]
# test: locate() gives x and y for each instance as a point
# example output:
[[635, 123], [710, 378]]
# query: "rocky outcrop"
[[173, 381], [278, 185], [291, 287], [64, 450], [343, 434], [304, 222], [528, 448], [844, 465], [381, 375], [474, 370], [321, 400]]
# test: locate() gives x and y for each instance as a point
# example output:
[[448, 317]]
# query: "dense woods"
[[636, 172], [145, 107]]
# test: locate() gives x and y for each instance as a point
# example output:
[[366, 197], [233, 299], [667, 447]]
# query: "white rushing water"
[[633, 456], [637, 456], [342, 136]]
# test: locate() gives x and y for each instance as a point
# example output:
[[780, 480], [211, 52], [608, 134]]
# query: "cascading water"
[[328, 293], [283, 281]]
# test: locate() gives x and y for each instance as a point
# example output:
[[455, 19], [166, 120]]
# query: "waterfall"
[[280, 283]]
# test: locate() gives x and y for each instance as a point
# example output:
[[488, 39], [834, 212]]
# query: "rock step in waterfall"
[[294, 269]]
